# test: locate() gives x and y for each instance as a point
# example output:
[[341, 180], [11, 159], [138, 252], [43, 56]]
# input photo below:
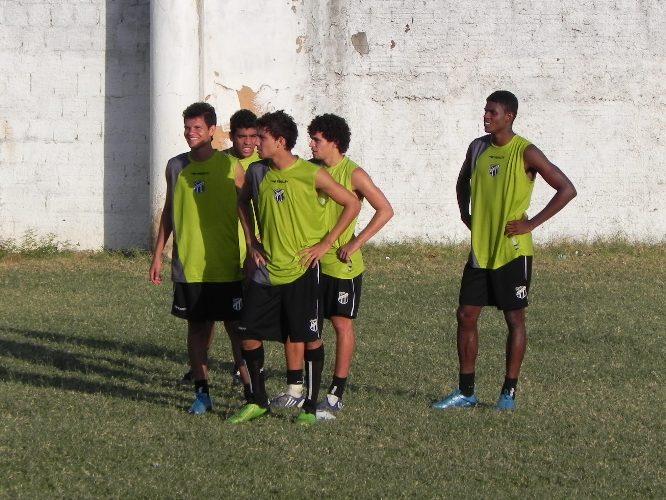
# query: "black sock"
[[509, 387], [337, 387], [314, 366], [466, 383], [295, 377], [247, 393], [201, 386], [254, 360]]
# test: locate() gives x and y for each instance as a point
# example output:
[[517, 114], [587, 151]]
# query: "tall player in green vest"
[[243, 136], [342, 266], [282, 299], [497, 178], [200, 211]]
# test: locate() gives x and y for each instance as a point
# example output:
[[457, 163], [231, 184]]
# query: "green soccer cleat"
[[305, 418], [250, 411]]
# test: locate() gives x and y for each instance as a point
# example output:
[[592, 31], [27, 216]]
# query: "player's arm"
[[245, 215], [464, 189], [537, 163], [363, 185], [351, 206], [163, 232]]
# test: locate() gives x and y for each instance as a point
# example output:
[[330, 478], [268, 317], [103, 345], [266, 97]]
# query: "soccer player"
[[342, 266], [243, 136], [497, 178], [282, 299], [200, 211]]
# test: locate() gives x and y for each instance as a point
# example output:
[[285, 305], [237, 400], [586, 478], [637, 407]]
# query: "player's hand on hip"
[[516, 227], [309, 257], [345, 252]]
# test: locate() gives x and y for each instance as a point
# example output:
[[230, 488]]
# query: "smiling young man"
[[282, 298], [342, 266], [496, 179], [200, 211]]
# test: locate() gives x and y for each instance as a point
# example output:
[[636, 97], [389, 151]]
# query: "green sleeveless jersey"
[[501, 192], [245, 163], [331, 265], [206, 247], [289, 215]]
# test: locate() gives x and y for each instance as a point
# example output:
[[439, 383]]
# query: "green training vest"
[[501, 191], [331, 265]]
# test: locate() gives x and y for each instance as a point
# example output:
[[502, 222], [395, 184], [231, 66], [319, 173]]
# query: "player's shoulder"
[[178, 162], [481, 141]]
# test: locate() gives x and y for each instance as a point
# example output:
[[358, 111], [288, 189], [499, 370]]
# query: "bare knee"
[[468, 316], [344, 327]]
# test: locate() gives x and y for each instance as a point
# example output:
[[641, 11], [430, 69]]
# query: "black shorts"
[[283, 311], [341, 297], [208, 301], [506, 287]]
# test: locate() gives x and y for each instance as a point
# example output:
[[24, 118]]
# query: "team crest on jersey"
[[237, 303], [279, 195], [521, 292], [343, 297], [313, 325], [494, 170], [199, 186]]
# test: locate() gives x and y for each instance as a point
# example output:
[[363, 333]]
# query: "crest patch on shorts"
[[343, 297], [237, 303], [521, 292]]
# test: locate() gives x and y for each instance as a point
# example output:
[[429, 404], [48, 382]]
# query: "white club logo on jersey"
[[279, 195], [199, 186], [313, 325], [343, 297], [494, 170], [521, 292], [237, 303]]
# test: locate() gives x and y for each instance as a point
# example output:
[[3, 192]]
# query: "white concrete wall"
[[74, 122], [411, 77]]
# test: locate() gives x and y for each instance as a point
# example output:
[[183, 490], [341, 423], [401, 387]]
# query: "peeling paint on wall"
[[360, 43], [246, 100], [8, 144], [300, 42]]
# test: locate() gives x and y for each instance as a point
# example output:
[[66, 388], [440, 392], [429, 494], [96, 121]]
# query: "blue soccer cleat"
[[456, 400], [506, 402], [201, 404]]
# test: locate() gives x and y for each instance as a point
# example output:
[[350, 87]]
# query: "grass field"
[[89, 407]]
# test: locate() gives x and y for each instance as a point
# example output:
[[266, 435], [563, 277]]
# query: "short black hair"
[[506, 99], [280, 124], [201, 109], [243, 118], [333, 128]]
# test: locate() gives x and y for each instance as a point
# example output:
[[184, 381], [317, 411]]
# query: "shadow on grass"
[[109, 359], [142, 350], [83, 367]]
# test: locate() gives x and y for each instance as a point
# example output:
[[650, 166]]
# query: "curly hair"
[[332, 128]]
